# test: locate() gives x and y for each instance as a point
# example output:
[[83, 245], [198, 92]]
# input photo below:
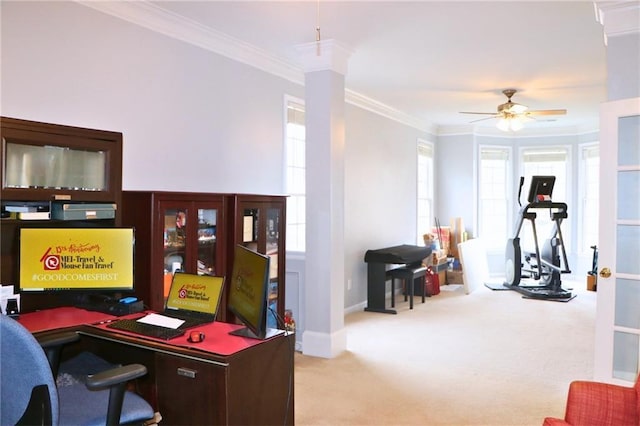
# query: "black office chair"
[[29, 395]]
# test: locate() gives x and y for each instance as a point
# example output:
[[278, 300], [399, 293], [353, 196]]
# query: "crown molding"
[[618, 18], [384, 110], [520, 134], [162, 21], [157, 19]]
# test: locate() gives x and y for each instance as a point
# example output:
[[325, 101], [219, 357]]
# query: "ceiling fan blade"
[[482, 119], [547, 112], [482, 113]]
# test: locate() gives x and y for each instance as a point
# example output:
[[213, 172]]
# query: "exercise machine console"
[[546, 264]]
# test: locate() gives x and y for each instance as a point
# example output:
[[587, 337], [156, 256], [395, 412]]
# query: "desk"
[[377, 275], [223, 380]]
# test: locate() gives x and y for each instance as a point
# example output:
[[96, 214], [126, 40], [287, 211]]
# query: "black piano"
[[377, 272]]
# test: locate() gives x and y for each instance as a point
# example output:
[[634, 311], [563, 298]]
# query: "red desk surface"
[[51, 319], [217, 338]]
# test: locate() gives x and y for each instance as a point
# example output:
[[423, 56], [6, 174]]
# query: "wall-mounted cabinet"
[[42, 161], [174, 232]]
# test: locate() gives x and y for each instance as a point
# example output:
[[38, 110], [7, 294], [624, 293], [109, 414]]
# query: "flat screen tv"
[[76, 259], [248, 293]]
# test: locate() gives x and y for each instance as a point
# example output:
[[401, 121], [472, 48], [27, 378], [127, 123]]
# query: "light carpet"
[[487, 358]]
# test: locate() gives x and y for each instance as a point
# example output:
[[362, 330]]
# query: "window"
[[589, 190], [295, 174], [494, 189], [425, 189], [551, 161]]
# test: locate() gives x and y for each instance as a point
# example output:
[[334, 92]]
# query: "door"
[[617, 352]]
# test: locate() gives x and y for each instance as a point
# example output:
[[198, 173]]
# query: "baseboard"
[[324, 345]]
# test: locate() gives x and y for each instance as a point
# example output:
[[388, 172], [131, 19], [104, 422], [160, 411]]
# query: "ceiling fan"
[[512, 115]]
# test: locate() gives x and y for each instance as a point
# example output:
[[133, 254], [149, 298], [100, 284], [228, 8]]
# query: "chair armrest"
[[601, 404], [58, 339], [115, 376], [52, 345]]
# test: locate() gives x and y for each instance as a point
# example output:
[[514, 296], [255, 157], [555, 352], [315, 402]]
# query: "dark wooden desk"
[[223, 380]]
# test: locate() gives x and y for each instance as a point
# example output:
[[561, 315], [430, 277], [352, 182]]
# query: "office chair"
[[29, 394]]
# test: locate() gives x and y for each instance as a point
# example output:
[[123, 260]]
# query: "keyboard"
[[148, 330]]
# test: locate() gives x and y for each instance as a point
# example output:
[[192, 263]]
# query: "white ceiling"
[[432, 59]]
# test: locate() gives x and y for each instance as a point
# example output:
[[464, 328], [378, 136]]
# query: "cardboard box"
[[454, 277], [592, 282]]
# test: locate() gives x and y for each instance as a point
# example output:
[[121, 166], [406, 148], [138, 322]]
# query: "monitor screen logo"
[[50, 262]]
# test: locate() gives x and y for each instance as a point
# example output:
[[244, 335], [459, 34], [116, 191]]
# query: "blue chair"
[[29, 395]]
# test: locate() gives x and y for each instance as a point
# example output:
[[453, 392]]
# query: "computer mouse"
[[196, 336]]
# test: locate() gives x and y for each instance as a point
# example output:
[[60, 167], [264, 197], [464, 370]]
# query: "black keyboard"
[[148, 330]]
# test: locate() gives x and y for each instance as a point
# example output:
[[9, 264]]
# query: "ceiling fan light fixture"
[[507, 124], [516, 124], [503, 124]]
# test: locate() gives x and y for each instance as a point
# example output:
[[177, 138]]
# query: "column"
[[325, 65]]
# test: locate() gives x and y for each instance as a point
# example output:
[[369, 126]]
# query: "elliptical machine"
[[544, 265]]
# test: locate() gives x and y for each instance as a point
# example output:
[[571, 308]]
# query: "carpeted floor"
[[487, 358]]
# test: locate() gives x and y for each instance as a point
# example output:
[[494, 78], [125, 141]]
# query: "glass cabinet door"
[[207, 225], [175, 243], [261, 232], [272, 235], [189, 241], [54, 167]]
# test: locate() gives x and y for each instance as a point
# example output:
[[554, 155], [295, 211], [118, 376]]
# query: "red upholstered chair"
[[600, 404]]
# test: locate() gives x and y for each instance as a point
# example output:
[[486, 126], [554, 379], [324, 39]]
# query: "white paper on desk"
[[161, 320], [6, 291]]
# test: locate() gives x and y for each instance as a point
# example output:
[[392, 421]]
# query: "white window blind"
[[547, 161], [295, 174], [425, 186], [494, 202], [589, 197]]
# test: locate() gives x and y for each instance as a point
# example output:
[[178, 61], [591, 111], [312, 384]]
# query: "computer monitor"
[[76, 260], [541, 188], [248, 293]]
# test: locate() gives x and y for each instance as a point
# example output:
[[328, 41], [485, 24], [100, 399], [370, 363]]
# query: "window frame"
[[423, 144], [509, 196], [581, 196], [567, 224], [296, 200]]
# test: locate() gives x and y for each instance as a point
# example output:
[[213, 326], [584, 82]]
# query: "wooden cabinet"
[[175, 231], [259, 222], [205, 382], [42, 164], [197, 232]]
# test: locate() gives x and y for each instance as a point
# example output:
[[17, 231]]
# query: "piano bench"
[[409, 274]]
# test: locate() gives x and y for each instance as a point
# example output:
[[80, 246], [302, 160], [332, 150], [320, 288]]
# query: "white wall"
[[380, 191], [191, 120]]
